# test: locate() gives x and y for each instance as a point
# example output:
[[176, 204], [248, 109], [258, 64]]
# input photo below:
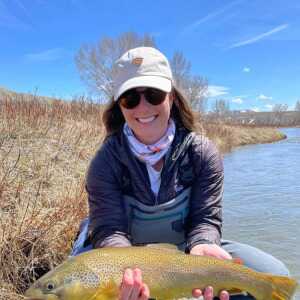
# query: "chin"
[[149, 139]]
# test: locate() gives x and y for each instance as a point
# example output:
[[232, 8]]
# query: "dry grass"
[[45, 148], [227, 137]]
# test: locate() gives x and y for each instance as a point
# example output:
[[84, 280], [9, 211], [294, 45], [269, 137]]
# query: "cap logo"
[[137, 61]]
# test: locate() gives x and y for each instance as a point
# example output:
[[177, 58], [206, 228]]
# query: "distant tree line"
[[279, 116], [297, 106]]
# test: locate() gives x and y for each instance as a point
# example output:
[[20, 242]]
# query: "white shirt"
[[155, 179]]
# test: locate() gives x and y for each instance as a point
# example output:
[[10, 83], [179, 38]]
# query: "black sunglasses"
[[131, 98]]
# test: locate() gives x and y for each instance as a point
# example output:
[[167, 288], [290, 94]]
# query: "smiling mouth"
[[146, 120]]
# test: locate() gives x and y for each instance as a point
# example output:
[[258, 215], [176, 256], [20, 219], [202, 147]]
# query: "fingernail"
[[209, 288], [137, 271]]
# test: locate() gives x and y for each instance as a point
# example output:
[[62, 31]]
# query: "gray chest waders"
[[163, 223]]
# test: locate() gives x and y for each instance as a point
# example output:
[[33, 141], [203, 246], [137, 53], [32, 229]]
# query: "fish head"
[[45, 289], [54, 289], [66, 282]]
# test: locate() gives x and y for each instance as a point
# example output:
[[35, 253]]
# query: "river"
[[262, 198]]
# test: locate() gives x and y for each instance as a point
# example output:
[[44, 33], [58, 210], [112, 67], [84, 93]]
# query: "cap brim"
[[160, 83]]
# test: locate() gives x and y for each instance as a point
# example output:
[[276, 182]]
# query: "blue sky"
[[249, 50]]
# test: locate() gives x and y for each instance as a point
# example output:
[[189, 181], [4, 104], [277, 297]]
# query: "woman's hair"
[[181, 113]]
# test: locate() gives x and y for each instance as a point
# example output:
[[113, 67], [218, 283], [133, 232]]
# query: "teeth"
[[146, 120]]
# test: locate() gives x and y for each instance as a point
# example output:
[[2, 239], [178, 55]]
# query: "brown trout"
[[170, 274]]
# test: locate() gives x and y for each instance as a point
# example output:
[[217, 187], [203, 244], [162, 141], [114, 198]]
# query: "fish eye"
[[50, 286]]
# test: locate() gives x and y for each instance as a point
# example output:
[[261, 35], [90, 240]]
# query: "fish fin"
[[107, 292], [283, 287], [164, 246], [238, 260], [234, 291]]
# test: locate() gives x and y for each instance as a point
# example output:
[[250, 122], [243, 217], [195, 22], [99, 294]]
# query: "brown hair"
[[181, 112]]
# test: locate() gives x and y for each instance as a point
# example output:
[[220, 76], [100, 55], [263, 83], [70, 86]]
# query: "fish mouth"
[[38, 295], [44, 297]]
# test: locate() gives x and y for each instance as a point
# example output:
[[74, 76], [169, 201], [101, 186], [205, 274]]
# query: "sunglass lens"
[[130, 99], [155, 96]]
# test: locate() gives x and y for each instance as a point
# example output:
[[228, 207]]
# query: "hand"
[[132, 287], [214, 251], [210, 250], [208, 294]]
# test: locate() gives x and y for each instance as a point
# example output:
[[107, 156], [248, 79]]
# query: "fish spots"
[[87, 279]]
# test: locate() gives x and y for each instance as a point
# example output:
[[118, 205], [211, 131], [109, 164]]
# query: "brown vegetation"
[[227, 137], [45, 147], [44, 150]]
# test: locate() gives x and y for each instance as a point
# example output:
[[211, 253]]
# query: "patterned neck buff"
[[150, 154]]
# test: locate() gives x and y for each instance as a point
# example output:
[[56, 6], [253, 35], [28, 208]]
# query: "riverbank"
[[227, 137], [45, 148]]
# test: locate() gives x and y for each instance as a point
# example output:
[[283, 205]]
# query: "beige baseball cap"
[[141, 67]]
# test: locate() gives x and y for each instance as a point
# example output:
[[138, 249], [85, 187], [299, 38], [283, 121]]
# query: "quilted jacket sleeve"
[[205, 219], [108, 222]]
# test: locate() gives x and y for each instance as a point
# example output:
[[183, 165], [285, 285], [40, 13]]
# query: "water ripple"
[[262, 198]]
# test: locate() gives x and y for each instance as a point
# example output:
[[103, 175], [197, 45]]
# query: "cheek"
[[127, 114], [168, 107], [167, 110]]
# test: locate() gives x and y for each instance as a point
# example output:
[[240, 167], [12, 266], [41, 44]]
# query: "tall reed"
[[45, 148]]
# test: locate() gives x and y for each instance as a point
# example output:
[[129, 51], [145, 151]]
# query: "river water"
[[262, 198]]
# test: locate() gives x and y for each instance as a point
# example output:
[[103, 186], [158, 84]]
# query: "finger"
[[224, 295], [137, 284], [145, 292], [127, 285], [225, 255], [208, 293], [196, 293]]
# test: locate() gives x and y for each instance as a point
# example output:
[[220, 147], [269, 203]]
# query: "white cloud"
[[22, 6], [46, 55], [264, 97], [216, 90], [10, 20], [256, 109], [246, 69], [269, 106], [241, 96], [237, 100], [260, 36], [193, 26]]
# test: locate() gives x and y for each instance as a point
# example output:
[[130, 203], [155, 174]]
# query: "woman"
[[154, 180]]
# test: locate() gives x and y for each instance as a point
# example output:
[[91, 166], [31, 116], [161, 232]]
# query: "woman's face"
[[148, 122]]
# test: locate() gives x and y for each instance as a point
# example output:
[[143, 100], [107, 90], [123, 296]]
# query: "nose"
[[143, 102]]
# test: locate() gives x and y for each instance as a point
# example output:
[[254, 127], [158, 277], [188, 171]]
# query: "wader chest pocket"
[[162, 223]]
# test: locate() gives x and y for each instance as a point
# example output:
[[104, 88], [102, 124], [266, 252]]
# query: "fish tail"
[[283, 287]]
